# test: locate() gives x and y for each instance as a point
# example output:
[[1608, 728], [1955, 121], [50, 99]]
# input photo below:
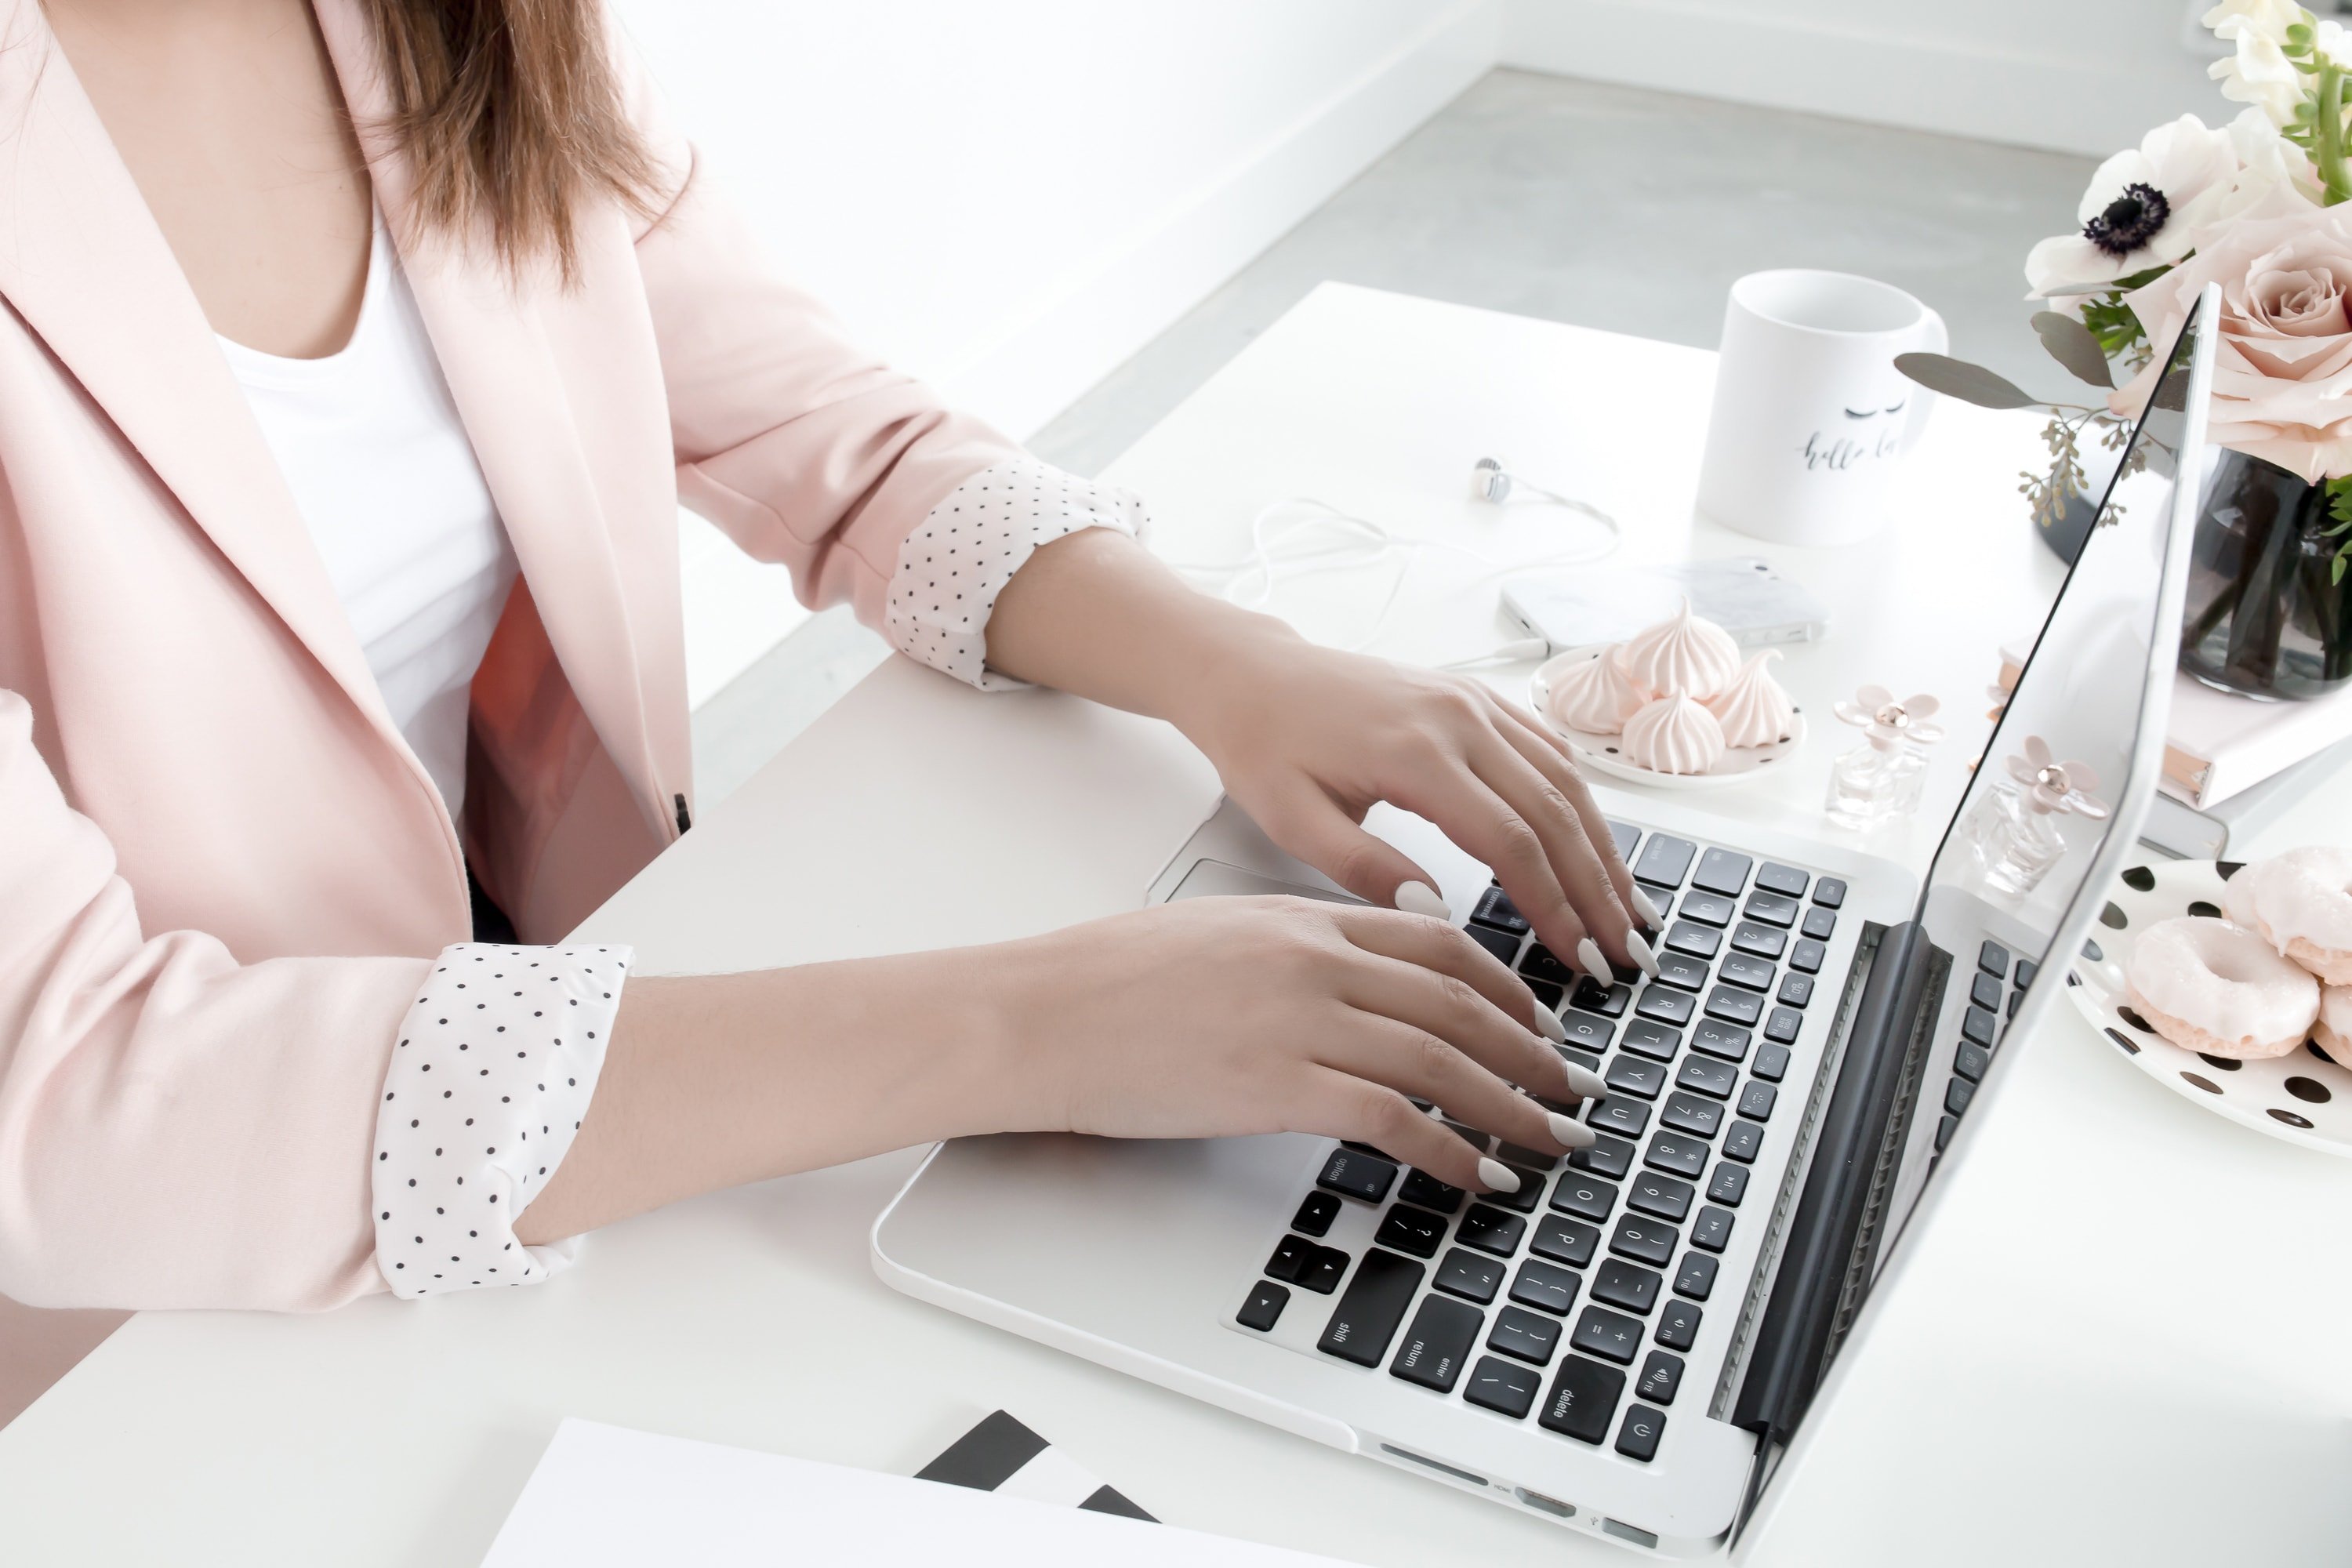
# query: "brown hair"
[[510, 116]]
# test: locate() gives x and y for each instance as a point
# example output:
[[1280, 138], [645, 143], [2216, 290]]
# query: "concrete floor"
[[1603, 205]]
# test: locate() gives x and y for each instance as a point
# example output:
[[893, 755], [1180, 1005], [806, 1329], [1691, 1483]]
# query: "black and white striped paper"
[[1001, 1454]]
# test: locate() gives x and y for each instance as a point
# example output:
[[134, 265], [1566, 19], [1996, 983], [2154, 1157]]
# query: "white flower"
[[2143, 208], [2266, 162], [2056, 786], [2259, 71]]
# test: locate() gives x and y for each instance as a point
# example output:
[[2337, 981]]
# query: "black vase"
[[2265, 618]]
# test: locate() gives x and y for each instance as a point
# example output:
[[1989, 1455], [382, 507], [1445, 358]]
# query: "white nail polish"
[[1549, 1023], [1640, 949], [1421, 898], [1589, 959], [1498, 1176], [1570, 1134], [1647, 910], [1588, 1084]]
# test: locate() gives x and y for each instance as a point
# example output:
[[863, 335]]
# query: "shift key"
[[1370, 1308]]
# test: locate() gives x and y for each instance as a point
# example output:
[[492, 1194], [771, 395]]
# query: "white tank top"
[[371, 445]]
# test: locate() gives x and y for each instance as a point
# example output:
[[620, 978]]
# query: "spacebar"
[[1373, 1306]]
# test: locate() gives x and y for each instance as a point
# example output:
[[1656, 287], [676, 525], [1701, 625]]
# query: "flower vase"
[[2266, 617]]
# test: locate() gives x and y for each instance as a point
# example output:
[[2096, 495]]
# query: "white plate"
[[1603, 753], [2301, 1097]]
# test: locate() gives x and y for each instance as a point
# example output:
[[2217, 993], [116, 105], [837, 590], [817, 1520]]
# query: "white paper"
[[605, 1497]]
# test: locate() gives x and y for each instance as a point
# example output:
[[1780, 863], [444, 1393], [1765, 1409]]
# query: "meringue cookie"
[[1595, 696], [1753, 709], [1682, 657], [1673, 735]]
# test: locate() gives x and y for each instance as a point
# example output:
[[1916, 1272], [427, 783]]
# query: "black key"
[[1721, 871], [1661, 898], [1783, 880], [1977, 1025], [1584, 1197], [1688, 1112], [1356, 1174], [1971, 1062], [1495, 909], [1496, 1385], [1416, 1231], [1783, 1024], [1655, 1041], [2015, 997], [1584, 1059], [1742, 1141], [1623, 1285], [1713, 1229], [1264, 1308], [1819, 923], [1665, 1004], [1607, 1333], [1760, 939], [1540, 1284], [1316, 1213], [1829, 892], [1772, 1064], [1698, 941], [1638, 1434], [1368, 1314], [1290, 1258], [1695, 1278], [1685, 1156], [1471, 1135], [1717, 1038], [1437, 1344], [1530, 1336], [1628, 1117], [1565, 1241], [1533, 1159], [1631, 1075], [1664, 861], [1661, 1374], [1772, 909], [1756, 1101], [1677, 1326], [1545, 992], [1984, 990], [1808, 955], [1707, 1076], [1660, 1197], [1734, 1005], [1608, 1000], [1681, 969], [1742, 969], [1589, 1030], [1944, 1131], [1467, 1274], [1607, 1157], [1491, 1230], [1728, 1185], [1796, 990], [1542, 963], [1644, 1240], [1714, 909], [2026, 969], [1956, 1095], [1503, 944], [1322, 1271], [1531, 1184], [1582, 1398], [1993, 959], [1421, 1187], [1625, 835]]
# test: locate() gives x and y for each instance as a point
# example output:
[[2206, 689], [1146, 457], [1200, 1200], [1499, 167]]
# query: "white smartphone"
[[1741, 593]]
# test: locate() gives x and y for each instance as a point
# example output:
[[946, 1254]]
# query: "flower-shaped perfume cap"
[[2054, 787], [1888, 722]]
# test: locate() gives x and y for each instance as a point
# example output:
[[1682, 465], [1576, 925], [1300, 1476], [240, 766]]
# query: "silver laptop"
[[1629, 1343]]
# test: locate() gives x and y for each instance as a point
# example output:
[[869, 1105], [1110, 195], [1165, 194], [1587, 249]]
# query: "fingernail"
[[1639, 949], [1588, 1084], [1421, 898], [1589, 959], [1570, 1134], [1497, 1176], [1647, 910], [1548, 1022]]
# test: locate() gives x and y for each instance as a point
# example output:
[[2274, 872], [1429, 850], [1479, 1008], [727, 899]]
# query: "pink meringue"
[[1753, 709], [1673, 735], [1595, 696], [1682, 657]]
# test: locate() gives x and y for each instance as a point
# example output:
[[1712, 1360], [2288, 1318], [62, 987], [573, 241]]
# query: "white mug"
[[1812, 418]]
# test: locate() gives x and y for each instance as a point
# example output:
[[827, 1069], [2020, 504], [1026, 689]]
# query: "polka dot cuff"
[[489, 1079], [959, 557]]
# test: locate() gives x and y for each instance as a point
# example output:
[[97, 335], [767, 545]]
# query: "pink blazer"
[[222, 871]]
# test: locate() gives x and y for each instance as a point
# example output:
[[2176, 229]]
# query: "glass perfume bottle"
[[2011, 831], [1887, 774]]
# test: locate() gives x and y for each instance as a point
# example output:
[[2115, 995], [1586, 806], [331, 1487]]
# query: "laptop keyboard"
[[1995, 989], [1549, 1302]]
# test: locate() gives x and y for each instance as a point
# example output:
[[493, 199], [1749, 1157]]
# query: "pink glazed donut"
[[2300, 903], [2210, 986], [2333, 1033]]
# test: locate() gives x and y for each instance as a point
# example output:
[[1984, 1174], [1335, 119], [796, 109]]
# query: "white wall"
[[1009, 197]]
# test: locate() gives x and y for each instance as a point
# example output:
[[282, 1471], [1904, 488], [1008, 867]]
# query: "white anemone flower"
[[2143, 208]]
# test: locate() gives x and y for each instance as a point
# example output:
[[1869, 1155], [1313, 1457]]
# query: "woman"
[[354, 366]]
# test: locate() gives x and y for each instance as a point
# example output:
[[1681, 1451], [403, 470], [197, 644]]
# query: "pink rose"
[[2283, 374]]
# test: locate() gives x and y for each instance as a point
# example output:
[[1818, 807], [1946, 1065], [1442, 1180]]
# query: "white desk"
[[2123, 1340]]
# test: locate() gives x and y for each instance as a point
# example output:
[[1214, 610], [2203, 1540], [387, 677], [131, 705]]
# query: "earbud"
[[1489, 481]]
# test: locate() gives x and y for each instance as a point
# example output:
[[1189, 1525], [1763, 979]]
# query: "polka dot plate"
[[2301, 1097], [1605, 754]]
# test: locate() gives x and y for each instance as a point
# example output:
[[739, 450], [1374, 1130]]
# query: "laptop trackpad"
[[1215, 879]]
